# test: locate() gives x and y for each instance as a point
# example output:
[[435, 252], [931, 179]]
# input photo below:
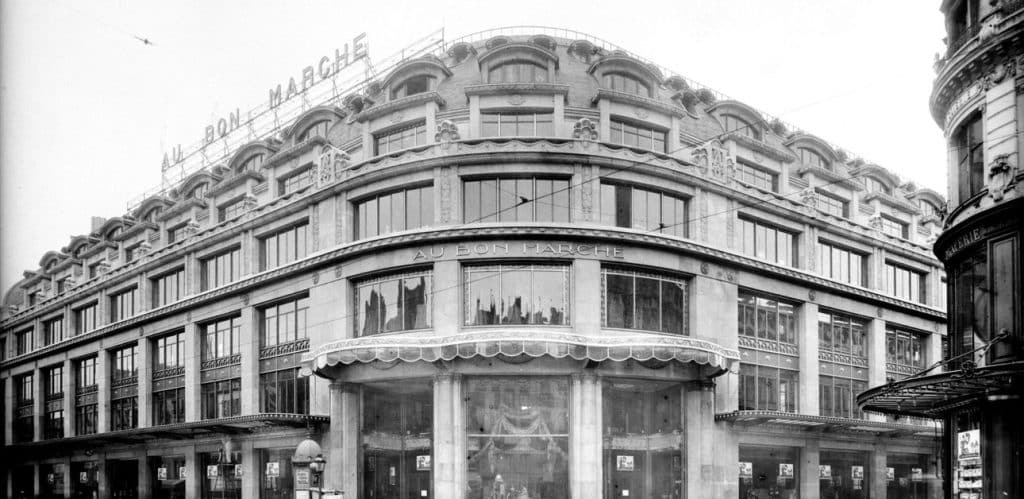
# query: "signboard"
[[825, 471], [624, 463], [746, 469], [181, 473], [83, 477], [968, 444], [161, 473], [785, 470], [423, 463], [301, 479], [890, 473], [917, 475], [857, 472], [273, 469], [211, 471], [238, 470]]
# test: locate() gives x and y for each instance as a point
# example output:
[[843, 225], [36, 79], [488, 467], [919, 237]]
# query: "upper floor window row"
[[252, 164], [756, 176], [518, 72], [767, 318], [968, 146], [528, 199], [734, 124], [842, 334], [812, 158], [638, 300], [842, 264], [644, 209], [639, 136], [511, 294], [765, 242], [393, 303], [397, 139], [904, 283], [627, 83], [318, 129], [284, 246], [516, 124], [872, 184], [406, 209]]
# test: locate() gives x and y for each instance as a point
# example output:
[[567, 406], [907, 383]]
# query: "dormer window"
[[252, 164], [927, 209], [151, 217], [114, 233], [811, 158], [318, 129], [415, 85], [626, 83], [874, 185], [199, 192], [737, 125], [518, 72]]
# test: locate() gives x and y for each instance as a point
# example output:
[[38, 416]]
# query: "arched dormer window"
[[253, 163], [151, 215], [872, 184], [414, 85], [116, 231], [199, 192], [518, 71], [812, 158], [318, 129], [927, 209], [734, 124], [625, 82], [50, 265]]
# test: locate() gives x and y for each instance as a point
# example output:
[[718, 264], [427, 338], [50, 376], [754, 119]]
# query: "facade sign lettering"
[[519, 249], [325, 68]]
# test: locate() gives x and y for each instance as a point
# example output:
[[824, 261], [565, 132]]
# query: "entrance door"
[[124, 479]]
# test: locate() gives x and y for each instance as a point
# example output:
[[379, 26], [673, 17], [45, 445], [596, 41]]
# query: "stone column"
[[810, 458], [193, 473], [445, 460], [102, 483], [876, 482], [446, 280], [192, 363], [585, 439], [876, 359], [145, 363], [807, 327], [587, 293], [697, 413], [250, 350], [8, 410], [102, 391], [932, 351], [69, 399], [68, 478], [249, 253], [343, 451], [250, 470], [145, 487], [38, 403]]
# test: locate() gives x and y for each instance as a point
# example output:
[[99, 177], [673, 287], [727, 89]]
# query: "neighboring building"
[[525, 264], [978, 100]]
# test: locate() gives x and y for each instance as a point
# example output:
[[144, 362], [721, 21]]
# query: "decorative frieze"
[[713, 160]]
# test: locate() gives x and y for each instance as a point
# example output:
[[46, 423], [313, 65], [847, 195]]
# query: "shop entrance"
[[124, 479]]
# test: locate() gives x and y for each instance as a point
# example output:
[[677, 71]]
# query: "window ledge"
[[641, 102]]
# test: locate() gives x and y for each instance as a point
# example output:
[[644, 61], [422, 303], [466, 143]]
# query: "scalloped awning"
[[429, 347]]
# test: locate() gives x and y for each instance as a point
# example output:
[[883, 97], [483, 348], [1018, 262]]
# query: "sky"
[[87, 110]]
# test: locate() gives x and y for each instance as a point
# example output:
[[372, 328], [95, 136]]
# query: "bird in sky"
[[145, 41]]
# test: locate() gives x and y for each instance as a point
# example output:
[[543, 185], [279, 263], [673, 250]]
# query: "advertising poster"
[[83, 477], [181, 473], [916, 474], [785, 470], [746, 469], [211, 471], [890, 474], [423, 463], [969, 444], [238, 470], [825, 471], [301, 479], [624, 463], [161, 473], [857, 472], [273, 469]]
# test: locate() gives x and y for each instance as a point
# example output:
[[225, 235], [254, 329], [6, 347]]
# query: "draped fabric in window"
[[524, 294], [393, 303]]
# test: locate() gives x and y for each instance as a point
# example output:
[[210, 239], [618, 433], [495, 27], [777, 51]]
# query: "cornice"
[[893, 201], [181, 207], [398, 104], [641, 102], [235, 181], [760, 147], [293, 151], [831, 176], [517, 88], [134, 230], [432, 235]]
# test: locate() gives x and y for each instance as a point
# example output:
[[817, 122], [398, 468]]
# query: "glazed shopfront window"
[[518, 437], [222, 475], [393, 303], [769, 472], [843, 474], [517, 295], [516, 200], [638, 300], [168, 475], [397, 439], [642, 420], [905, 476], [275, 472], [986, 299], [644, 209]]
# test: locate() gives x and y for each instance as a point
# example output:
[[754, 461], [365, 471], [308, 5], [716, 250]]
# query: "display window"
[[843, 475], [905, 476], [397, 439], [643, 443], [169, 477], [275, 471], [222, 475], [768, 472], [85, 480]]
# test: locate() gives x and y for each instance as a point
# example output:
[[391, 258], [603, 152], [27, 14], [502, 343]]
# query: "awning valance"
[[427, 346], [933, 396]]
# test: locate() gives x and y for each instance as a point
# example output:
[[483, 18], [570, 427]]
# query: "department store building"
[[524, 263]]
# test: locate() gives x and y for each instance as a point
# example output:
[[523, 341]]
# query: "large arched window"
[[199, 192], [318, 129], [414, 85], [734, 124], [624, 82], [518, 71], [968, 145], [872, 184], [812, 158], [253, 163]]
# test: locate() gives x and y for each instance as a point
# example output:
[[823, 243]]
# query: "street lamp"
[[317, 468]]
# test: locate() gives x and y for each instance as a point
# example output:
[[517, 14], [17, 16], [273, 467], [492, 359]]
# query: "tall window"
[[222, 399], [85, 318], [393, 303], [833, 205], [400, 138], [637, 300], [169, 406], [527, 199], [131, 253], [841, 264], [644, 209], [296, 181], [221, 269], [284, 391], [904, 353], [283, 322], [53, 393], [232, 210], [756, 176], [769, 376], [516, 124], [169, 379], [872, 184], [221, 338], [734, 124], [86, 399], [122, 305], [895, 228], [395, 465], [53, 331], [968, 144], [94, 269], [904, 283], [169, 352], [522, 425], [414, 85], [318, 129], [629, 84], [517, 295], [169, 288], [283, 247], [406, 209], [24, 413], [765, 242], [812, 158], [985, 299], [638, 136], [842, 350], [518, 72], [641, 455], [23, 342], [124, 403]]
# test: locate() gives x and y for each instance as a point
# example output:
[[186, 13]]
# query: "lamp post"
[[317, 468]]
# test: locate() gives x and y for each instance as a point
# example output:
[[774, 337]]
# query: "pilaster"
[[713, 318], [446, 291], [68, 478], [474, 116], [559, 116], [807, 328], [191, 356], [102, 391], [193, 472], [69, 400], [145, 363], [250, 349], [327, 302], [605, 108], [445, 460], [250, 470], [876, 475], [876, 359], [8, 409], [145, 487], [810, 459], [587, 293], [585, 442], [343, 454], [431, 121]]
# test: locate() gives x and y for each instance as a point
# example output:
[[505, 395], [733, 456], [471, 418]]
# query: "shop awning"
[[180, 431], [792, 422], [519, 343], [935, 395]]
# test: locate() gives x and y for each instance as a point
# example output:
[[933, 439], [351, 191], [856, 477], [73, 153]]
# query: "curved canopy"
[[428, 347]]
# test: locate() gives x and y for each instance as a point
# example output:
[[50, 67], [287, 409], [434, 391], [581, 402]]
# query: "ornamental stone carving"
[[875, 221], [584, 129], [713, 159], [446, 133], [330, 164], [446, 194], [809, 197], [250, 202], [144, 247], [1001, 174], [587, 193], [516, 100]]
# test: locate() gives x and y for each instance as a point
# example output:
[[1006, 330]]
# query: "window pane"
[[619, 306]]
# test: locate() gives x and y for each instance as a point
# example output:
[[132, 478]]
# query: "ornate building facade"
[[524, 263], [978, 100]]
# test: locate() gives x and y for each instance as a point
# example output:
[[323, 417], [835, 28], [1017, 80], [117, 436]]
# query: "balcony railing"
[[960, 41]]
